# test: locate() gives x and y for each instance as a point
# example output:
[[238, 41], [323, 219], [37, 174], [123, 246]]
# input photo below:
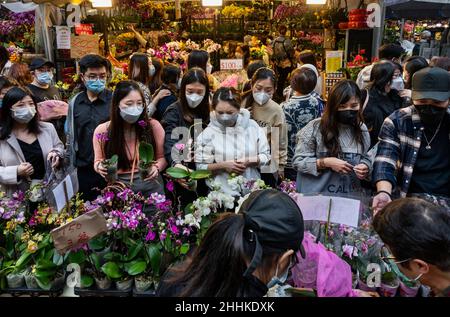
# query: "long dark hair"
[[225, 249], [412, 65], [13, 96], [139, 69], [381, 75], [198, 58], [155, 81], [260, 74], [116, 129], [195, 75], [340, 94], [169, 77], [4, 56]]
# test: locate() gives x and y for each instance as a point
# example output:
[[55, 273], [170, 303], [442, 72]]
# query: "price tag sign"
[[333, 61], [231, 64], [63, 38], [83, 29], [84, 44]]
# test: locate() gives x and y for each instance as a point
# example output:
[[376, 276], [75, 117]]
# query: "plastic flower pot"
[[389, 289], [143, 171], [407, 291], [364, 287], [124, 285], [142, 283], [15, 280], [102, 283], [30, 280]]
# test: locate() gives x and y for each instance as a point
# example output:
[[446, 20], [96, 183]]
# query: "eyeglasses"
[[96, 77], [389, 258]]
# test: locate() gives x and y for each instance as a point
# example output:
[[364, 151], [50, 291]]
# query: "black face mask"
[[430, 115], [349, 117]]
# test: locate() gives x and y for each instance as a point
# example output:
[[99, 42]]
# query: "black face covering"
[[430, 115], [349, 117]]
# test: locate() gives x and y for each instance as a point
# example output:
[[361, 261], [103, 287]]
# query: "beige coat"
[[11, 156]]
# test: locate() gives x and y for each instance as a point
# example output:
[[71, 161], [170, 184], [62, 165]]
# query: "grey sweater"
[[310, 147]]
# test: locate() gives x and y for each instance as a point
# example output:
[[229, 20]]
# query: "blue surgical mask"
[[278, 280], [45, 78], [96, 86], [1, 103]]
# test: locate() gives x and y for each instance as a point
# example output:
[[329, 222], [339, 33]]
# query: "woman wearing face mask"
[[270, 116], [410, 67], [200, 59], [243, 254], [167, 94], [232, 142], [189, 115], [380, 99], [156, 65], [26, 144], [331, 152], [140, 70], [129, 126]]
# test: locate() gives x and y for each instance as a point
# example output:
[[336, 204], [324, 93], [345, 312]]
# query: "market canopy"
[[417, 9]]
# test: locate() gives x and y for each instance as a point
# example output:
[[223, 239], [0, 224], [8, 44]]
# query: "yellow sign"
[[333, 61], [84, 44]]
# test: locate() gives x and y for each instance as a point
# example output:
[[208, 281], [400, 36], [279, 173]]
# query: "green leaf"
[[23, 260], [98, 243], [200, 174], [146, 152], [114, 159], [113, 256], [78, 257], [45, 265], [189, 209], [184, 248], [134, 251], [136, 267], [177, 173], [95, 260], [86, 281], [111, 269], [154, 254], [43, 274], [44, 282]]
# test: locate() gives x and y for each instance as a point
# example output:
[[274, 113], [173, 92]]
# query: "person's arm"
[[159, 135], [385, 165], [283, 141], [305, 157], [99, 147], [9, 175]]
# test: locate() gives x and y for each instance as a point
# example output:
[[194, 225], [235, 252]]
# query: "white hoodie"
[[218, 144]]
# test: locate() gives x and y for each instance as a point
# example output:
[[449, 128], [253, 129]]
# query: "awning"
[[417, 9]]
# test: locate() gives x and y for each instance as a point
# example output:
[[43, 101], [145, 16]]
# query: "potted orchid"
[[146, 159], [389, 284], [111, 168]]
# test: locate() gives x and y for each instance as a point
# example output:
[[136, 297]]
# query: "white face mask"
[[151, 70], [23, 114], [398, 83], [261, 98], [194, 100], [131, 114], [227, 120]]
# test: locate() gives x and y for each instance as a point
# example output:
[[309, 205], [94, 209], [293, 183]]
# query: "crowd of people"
[[385, 136]]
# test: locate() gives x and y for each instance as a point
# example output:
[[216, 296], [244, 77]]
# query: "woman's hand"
[[405, 93], [361, 171], [234, 167], [25, 170], [161, 94], [54, 158], [337, 165], [154, 173], [183, 182], [101, 169]]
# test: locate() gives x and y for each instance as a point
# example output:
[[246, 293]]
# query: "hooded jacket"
[[218, 144]]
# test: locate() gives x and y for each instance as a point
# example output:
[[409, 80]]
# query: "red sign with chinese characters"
[[84, 29], [79, 231]]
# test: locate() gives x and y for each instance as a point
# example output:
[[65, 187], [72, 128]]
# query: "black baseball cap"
[[431, 83], [40, 62], [274, 221]]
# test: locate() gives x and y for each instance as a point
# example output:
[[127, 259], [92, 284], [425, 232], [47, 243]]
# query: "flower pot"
[[406, 291], [102, 283], [58, 282], [364, 287], [143, 172], [142, 283], [389, 290], [30, 281], [124, 285], [111, 177], [15, 280]]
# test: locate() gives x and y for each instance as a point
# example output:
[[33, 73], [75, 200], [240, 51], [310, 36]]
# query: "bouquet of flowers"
[[210, 46]]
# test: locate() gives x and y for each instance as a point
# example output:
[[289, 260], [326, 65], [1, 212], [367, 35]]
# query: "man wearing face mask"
[[87, 110], [413, 155], [416, 234], [41, 87]]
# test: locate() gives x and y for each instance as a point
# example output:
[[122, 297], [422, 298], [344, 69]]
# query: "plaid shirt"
[[399, 143]]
